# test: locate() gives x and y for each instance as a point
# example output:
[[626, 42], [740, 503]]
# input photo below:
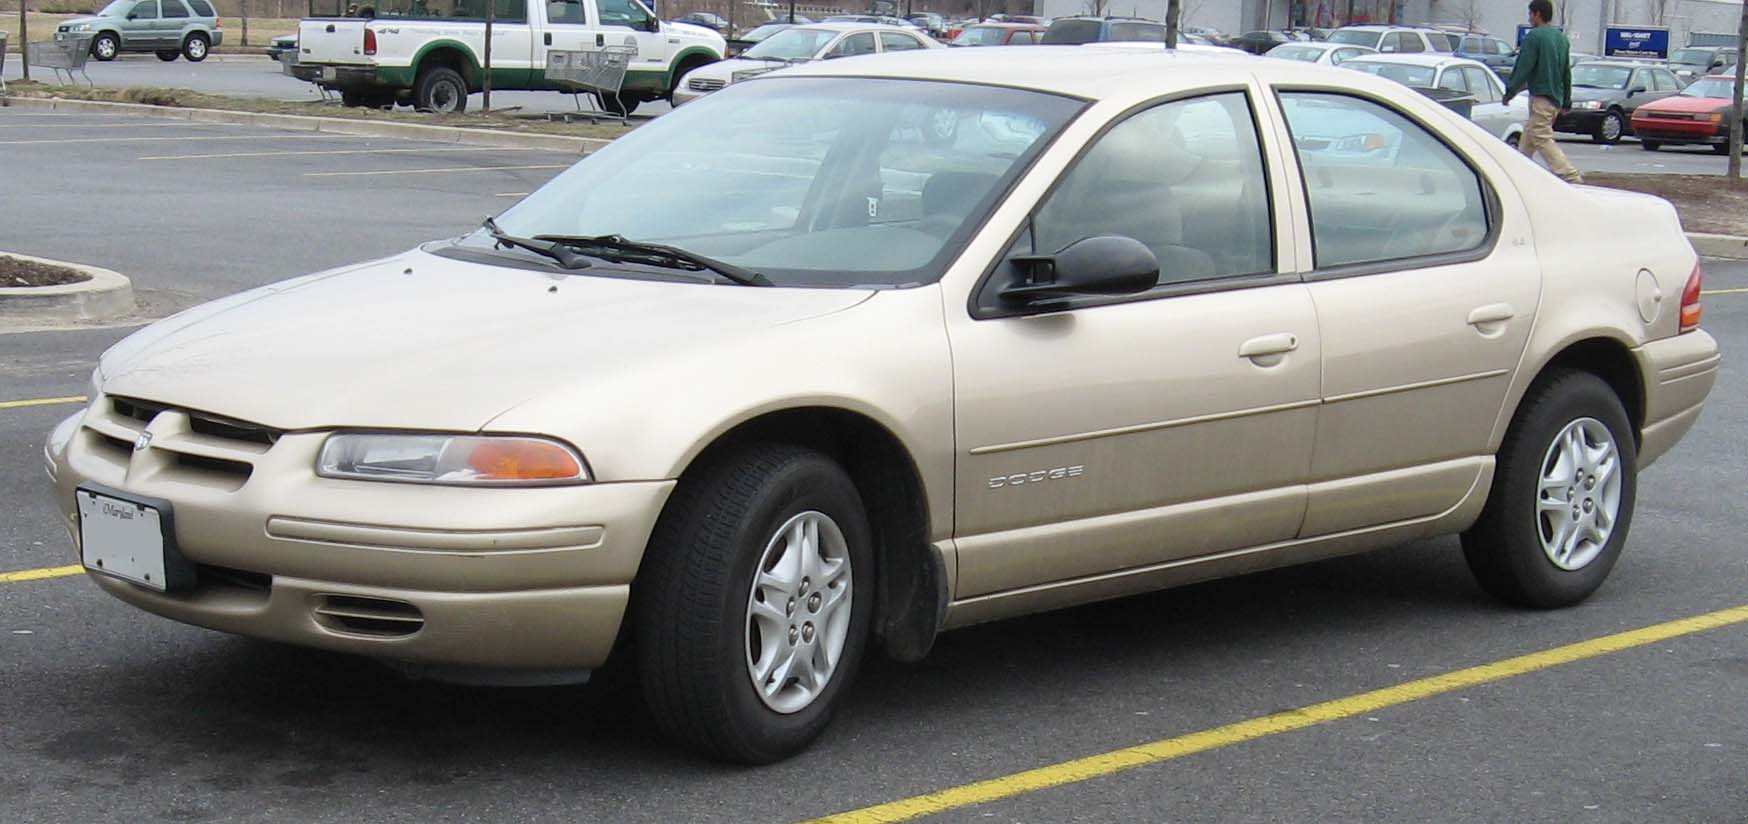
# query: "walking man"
[[1544, 67]]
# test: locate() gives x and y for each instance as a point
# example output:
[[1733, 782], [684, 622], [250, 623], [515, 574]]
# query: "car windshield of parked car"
[[1072, 32], [1686, 57], [1710, 87], [1417, 76], [1303, 53], [980, 36], [764, 31], [808, 181], [792, 44], [1354, 38], [1600, 77]]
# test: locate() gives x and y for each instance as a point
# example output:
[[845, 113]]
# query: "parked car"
[[1700, 114], [1695, 62], [167, 28], [1329, 54], [1605, 93], [1499, 55], [1455, 74], [1395, 39], [1075, 31], [1262, 42], [280, 46], [877, 19], [800, 44], [782, 384], [713, 22], [424, 54], [999, 34], [930, 22], [754, 36]]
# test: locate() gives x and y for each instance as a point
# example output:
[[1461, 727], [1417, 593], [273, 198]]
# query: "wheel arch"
[[1607, 357], [688, 59], [451, 54], [913, 582]]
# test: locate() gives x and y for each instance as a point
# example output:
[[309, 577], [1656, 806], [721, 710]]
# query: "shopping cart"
[[598, 73], [65, 54]]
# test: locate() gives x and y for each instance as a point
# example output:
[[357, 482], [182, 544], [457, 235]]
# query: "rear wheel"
[[1650, 145], [194, 48], [1721, 148], [1562, 497], [105, 47], [168, 55], [754, 602], [621, 104], [1513, 140], [440, 89]]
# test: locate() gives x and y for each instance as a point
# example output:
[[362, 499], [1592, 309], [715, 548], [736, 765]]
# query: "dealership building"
[[1583, 20]]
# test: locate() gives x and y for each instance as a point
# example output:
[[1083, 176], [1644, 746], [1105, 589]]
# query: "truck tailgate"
[[332, 40]]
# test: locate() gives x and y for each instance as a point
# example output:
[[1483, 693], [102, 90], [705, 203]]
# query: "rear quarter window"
[[202, 8]]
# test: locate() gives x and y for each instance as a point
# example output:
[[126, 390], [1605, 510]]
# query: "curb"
[[328, 125], [1734, 247], [106, 295]]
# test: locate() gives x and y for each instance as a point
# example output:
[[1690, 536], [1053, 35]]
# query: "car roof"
[[1003, 24], [1429, 59], [1089, 72], [1625, 64], [1377, 27], [1324, 45], [850, 25]]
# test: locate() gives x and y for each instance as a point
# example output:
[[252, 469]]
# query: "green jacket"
[[1544, 66]]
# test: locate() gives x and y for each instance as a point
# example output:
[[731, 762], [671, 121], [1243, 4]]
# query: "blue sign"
[[1636, 41]]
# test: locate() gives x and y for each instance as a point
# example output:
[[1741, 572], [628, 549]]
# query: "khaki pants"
[[1539, 136]]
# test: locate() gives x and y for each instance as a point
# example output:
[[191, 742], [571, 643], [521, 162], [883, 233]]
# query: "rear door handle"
[[1268, 346], [600, 39], [549, 38], [1491, 313]]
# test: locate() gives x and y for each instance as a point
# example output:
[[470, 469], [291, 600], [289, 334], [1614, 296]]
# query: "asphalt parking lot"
[[109, 714]]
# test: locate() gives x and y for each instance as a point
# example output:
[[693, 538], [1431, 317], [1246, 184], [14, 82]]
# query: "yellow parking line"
[[39, 574], [180, 137], [1082, 769], [435, 171], [1722, 291], [492, 149], [42, 401]]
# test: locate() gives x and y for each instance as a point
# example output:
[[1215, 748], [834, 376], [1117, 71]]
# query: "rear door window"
[[174, 8]]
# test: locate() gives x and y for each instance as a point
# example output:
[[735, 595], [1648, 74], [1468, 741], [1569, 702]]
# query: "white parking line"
[[182, 137], [107, 125], [511, 194], [291, 153], [436, 171]]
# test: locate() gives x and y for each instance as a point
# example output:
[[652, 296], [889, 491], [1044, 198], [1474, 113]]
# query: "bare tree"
[[1657, 11], [1097, 8], [1737, 115]]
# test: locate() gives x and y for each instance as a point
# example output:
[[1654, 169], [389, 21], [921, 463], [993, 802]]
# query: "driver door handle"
[[1268, 346], [1491, 313]]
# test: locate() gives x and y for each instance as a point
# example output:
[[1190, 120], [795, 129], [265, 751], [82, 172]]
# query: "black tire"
[[1721, 148], [1514, 140], [1504, 548], [440, 89], [1604, 134], [621, 105], [168, 55], [691, 599], [1650, 145], [195, 47], [106, 43], [351, 98]]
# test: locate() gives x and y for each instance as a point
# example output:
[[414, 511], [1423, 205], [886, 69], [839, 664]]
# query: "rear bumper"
[[341, 77], [1679, 373]]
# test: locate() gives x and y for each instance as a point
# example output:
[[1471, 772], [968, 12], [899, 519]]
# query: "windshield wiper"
[[618, 249], [545, 248]]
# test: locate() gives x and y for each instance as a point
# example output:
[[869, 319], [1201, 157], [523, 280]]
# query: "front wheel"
[[105, 47], [1611, 128], [1562, 497], [195, 48], [168, 55], [1650, 145], [754, 602], [440, 89]]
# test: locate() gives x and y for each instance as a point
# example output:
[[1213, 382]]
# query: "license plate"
[[329, 73], [130, 539]]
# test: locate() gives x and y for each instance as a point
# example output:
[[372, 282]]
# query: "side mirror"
[[653, 24], [1101, 265], [1635, 90], [132, 16]]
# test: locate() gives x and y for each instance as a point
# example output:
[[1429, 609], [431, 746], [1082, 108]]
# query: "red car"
[[1700, 114], [998, 34]]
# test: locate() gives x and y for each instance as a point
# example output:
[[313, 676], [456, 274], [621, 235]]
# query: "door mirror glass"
[[1101, 265]]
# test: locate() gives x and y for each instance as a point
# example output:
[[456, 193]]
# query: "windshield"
[[1354, 38], [119, 8], [764, 31], [979, 36], [809, 181], [792, 44], [1419, 76], [1601, 77], [1304, 53], [1689, 57], [1710, 87], [1072, 32]]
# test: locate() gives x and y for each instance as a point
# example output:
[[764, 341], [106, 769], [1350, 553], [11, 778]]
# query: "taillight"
[[1690, 301], [369, 42]]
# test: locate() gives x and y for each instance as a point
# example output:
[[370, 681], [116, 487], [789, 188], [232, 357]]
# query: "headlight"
[[1715, 117], [1587, 104], [82, 27], [94, 388], [465, 460]]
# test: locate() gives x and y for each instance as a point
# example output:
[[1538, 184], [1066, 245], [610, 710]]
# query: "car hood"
[[70, 22], [419, 341], [694, 33], [1686, 104], [724, 69], [1605, 95]]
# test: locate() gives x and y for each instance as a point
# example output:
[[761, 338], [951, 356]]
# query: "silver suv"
[[1395, 39], [167, 28]]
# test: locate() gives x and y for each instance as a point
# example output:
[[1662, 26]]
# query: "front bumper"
[[530, 579], [1678, 374], [1681, 131], [1580, 121]]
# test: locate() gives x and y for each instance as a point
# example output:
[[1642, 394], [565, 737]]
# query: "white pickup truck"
[[429, 53]]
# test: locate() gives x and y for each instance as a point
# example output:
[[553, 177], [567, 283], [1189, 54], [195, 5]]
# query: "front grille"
[[212, 450], [704, 84], [231, 430], [207, 574]]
